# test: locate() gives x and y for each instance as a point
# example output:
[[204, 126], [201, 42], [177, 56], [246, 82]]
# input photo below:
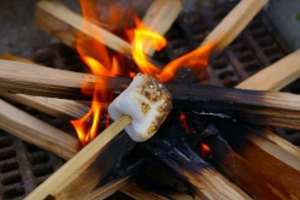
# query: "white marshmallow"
[[148, 103]]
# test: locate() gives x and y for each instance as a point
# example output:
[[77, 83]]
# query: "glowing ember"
[[184, 122], [96, 56], [204, 150]]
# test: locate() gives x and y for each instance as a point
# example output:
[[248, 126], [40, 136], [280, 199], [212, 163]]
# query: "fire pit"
[[231, 138]]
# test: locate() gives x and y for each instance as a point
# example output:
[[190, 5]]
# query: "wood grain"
[[55, 184]]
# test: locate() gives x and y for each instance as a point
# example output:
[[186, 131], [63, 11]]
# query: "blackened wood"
[[243, 140], [84, 183], [241, 171], [125, 172], [178, 159], [256, 107]]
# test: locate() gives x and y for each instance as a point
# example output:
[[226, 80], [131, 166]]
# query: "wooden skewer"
[[77, 164], [35, 131], [159, 17], [228, 29]]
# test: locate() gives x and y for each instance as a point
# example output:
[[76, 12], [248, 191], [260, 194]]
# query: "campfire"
[[186, 135]]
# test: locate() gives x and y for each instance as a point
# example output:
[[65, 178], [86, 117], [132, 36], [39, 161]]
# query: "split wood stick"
[[35, 131], [254, 182], [8, 56], [262, 108], [230, 27], [59, 108], [275, 76], [64, 24], [81, 161], [246, 142], [54, 107], [160, 16], [137, 192], [109, 189], [206, 182]]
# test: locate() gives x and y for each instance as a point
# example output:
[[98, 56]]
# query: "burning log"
[[281, 76], [260, 143], [259, 185], [173, 155], [242, 138], [35, 131], [62, 183], [63, 177], [261, 108]]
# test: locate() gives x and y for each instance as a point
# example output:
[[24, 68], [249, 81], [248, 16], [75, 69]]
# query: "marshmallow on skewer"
[[147, 102]]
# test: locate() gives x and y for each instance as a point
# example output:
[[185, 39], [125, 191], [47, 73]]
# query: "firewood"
[[80, 162], [245, 141], [37, 132], [60, 108], [65, 184], [159, 17], [179, 160], [8, 56], [228, 29], [256, 107], [254, 182], [54, 107], [280, 76], [109, 189], [137, 192], [64, 24], [260, 148], [275, 76]]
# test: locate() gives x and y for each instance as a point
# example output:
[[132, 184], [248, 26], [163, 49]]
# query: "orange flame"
[[143, 40], [96, 56], [197, 58], [205, 149]]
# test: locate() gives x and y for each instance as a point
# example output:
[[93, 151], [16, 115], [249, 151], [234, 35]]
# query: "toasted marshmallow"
[[147, 102]]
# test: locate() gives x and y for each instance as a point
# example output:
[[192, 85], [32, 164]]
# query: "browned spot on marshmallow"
[[153, 90], [145, 108]]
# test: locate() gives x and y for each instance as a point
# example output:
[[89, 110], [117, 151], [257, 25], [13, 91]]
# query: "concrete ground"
[[284, 15], [18, 32]]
